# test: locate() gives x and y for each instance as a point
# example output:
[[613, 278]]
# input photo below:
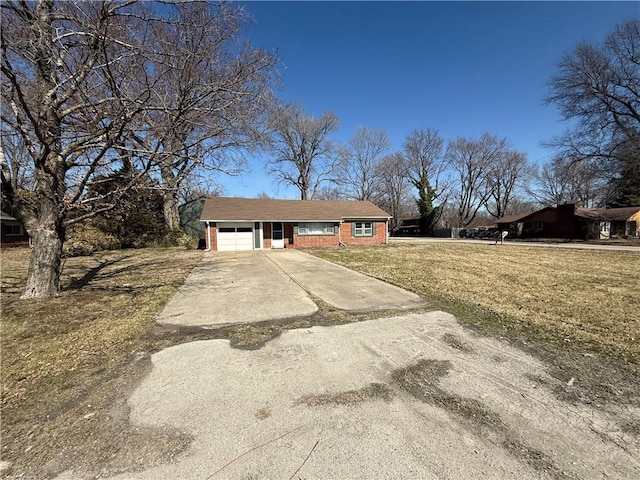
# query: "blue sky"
[[464, 68]]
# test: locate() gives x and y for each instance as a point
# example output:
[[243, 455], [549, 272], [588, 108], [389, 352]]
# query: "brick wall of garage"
[[213, 235], [377, 239]]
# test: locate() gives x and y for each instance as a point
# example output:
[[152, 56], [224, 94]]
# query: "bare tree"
[[15, 155], [82, 89], [502, 179], [472, 160], [329, 192], [65, 72], [392, 192], [304, 153], [199, 186], [561, 179], [209, 98], [597, 87], [424, 167], [358, 161]]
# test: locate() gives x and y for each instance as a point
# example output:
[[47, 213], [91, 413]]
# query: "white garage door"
[[235, 236]]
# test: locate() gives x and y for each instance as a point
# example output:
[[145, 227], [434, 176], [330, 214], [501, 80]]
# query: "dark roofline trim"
[[517, 218], [297, 219]]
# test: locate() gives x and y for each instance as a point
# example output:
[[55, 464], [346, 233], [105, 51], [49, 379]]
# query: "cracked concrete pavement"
[[305, 404], [251, 418], [243, 287]]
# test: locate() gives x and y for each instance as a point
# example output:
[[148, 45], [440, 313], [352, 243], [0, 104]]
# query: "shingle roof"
[[258, 209], [593, 214], [622, 213], [513, 218], [5, 216]]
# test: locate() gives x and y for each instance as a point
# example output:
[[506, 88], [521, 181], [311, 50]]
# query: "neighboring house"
[[409, 227], [573, 222], [13, 232], [611, 222], [190, 213], [255, 224]]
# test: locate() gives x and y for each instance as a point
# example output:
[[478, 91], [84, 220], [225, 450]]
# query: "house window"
[[315, 228], [538, 226], [363, 229], [13, 230]]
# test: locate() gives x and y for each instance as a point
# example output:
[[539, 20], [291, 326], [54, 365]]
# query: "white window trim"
[[363, 230], [327, 229]]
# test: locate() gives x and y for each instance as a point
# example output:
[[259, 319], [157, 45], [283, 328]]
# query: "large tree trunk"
[[170, 210], [45, 264], [170, 184]]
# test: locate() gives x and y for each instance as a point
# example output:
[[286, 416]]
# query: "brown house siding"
[[14, 241], [570, 221], [555, 223], [633, 229]]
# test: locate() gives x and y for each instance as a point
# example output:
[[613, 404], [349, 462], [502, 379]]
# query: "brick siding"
[[266, 235], [311, 241], [377, 239], [314, 241], [213, 234]]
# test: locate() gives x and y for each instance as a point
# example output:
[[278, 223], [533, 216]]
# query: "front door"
[[277, 236]]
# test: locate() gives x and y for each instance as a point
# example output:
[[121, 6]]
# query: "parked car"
[[472, 232], [489, 233], [462, 233]]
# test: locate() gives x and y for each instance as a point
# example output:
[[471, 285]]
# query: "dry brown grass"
[[68, 363], [374, 391], [57, 353], [586, 300]]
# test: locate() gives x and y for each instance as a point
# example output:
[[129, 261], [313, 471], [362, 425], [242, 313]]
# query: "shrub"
[[84, 239], [177, 238]]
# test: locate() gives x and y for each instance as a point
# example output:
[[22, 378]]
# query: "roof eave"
[[290, 220]]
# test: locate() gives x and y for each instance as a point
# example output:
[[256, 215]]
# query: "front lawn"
[[63, 359], [579, 308]]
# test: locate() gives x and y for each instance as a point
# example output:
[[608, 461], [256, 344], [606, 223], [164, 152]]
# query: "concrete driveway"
[[242, 287], [408, 397], [414, 396]]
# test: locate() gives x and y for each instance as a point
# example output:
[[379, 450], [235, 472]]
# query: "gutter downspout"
[[386, 231], [208, 249], [340, 244]]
